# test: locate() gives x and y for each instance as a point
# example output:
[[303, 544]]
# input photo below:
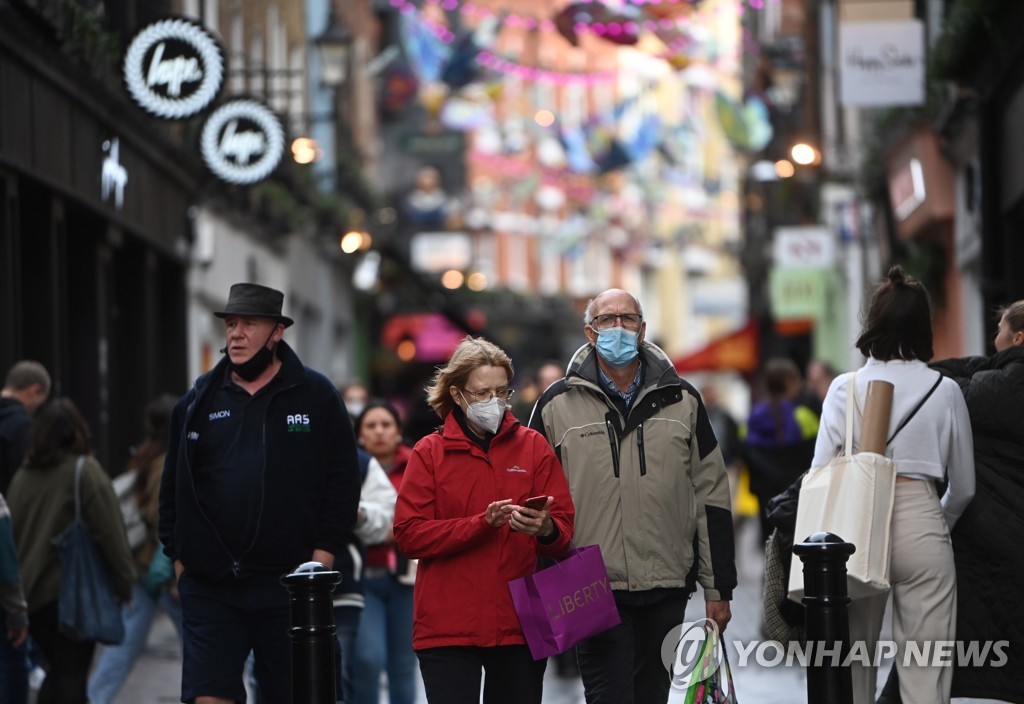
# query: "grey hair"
[[587, 317]]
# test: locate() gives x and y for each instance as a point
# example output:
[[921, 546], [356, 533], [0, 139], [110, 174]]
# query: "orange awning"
[[736, 351]]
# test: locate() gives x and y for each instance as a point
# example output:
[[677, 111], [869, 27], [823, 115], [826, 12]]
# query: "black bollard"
[[312, 632], [827, 621]]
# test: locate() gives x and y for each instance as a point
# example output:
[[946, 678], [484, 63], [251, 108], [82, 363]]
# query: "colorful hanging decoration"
[[426, 52], [619, 26], [748, 126]]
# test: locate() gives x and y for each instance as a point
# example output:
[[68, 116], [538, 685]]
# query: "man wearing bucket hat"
[[260, 476]]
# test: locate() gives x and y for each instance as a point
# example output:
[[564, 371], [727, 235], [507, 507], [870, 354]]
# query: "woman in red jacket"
[[460, 512]]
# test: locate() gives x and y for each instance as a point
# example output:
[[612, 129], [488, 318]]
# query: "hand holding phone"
[[536, 502]]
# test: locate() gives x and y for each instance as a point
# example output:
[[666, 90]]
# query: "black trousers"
[[67, 661], [623, 665], [451, 675]]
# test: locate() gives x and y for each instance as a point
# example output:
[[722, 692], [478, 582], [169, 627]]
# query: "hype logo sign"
[[174, 68], [242, 141]]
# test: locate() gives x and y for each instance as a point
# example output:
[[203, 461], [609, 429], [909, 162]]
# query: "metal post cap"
[[824, 542], [311, 572]]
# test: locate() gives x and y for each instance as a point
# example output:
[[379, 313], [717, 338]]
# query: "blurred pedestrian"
[[26, 387], [935, 445], [373, 525], [42, 504], [138, 489], [546, 374], [650, 487], [355, 394], [819, 377], [260, 476], [727, 430], [990, 587], [778, 437], [13, 663], [384, 638], [460, 512]]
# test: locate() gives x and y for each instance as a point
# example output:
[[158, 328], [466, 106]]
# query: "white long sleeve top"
[[935, 445], [377, 499]]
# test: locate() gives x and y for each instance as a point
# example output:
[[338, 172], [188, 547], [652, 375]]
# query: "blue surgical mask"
[[617, 346]]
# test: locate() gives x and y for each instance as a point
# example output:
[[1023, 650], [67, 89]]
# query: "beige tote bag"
[[852, 497]]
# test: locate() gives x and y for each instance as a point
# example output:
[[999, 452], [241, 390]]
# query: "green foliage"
[[973, 29], [85, 38], [926, 261]]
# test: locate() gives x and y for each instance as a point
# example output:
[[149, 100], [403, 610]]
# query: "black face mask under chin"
[[254, 366]]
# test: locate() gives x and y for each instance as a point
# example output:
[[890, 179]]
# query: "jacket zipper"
[[263, 474], [614, 442], [192, 483], [640, 449]]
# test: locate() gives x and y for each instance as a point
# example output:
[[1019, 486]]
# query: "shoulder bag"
[[86, 605], [852, 496]]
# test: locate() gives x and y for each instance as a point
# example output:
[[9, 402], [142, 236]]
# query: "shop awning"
[[736, 351]]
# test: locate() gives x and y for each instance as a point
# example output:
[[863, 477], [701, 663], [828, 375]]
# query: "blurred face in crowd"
[[33, 397], [818, 379], [548, 375], [355, 397], [1006, 338], [379, 434], [246, 335]]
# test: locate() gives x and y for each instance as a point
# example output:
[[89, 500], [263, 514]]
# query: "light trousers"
[[923, 582]]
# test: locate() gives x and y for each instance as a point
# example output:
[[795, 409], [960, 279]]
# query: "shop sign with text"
[[174, 68], [881, 63], [242, 141]]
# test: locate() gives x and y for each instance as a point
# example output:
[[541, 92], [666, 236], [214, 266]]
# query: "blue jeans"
[[13, 671], [346, 620], [384, 642], [115, 662]]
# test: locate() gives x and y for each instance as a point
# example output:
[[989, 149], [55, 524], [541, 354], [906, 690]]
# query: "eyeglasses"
[[485, 396], [630, 321]]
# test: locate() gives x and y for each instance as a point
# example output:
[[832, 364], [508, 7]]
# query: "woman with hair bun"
[[934, 447]]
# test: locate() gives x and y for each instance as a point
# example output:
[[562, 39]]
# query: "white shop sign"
[[242, 141], [804, 247], [881, 63], [173, 68]]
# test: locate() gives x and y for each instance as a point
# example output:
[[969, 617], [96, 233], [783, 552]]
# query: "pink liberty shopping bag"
[[561, 605]]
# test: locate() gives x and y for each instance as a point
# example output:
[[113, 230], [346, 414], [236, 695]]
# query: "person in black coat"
[[987, 538]]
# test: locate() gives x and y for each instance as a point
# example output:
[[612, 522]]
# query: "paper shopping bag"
[[565, 603]]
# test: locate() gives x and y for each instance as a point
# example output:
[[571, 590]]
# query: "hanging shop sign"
[[174, 68], [242, 141], [881, 63]]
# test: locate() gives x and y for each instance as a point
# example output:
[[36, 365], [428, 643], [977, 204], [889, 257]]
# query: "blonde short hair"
[[470, 354]]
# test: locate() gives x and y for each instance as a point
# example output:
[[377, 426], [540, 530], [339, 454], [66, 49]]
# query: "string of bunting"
[[504, 64], [530, 22]]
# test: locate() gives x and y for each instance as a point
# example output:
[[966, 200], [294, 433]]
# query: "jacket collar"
[[1008, 356], [660, 370], [291, 371], [453, 428]]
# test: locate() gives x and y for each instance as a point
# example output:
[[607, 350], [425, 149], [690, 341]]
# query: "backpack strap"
[[916, 409]]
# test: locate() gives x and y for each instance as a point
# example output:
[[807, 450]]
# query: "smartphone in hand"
[[535, 502]]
